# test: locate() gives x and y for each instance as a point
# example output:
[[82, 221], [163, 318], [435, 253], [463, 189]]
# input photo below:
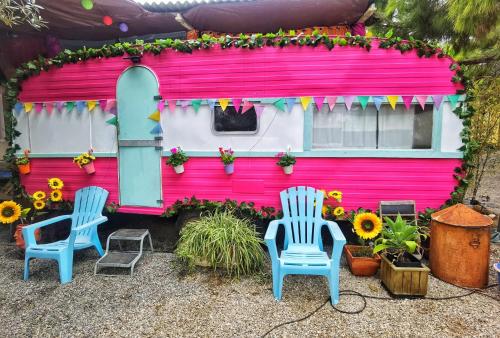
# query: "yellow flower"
[[39, 205], [39, 195], [336, 195], [10, 212], [84, 161], [338, 211], [56, 183], [367, 225], [56, 195], [324, 210]]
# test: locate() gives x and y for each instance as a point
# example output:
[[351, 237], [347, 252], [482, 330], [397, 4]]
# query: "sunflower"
[[56, 195], [10, 212], [336, 195], [39, 205], [338, 211], [56, 183], [367, 225], [324, 210], [39, 195]]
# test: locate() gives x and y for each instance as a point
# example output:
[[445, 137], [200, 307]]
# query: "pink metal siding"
[[364, 181], [265, 72]]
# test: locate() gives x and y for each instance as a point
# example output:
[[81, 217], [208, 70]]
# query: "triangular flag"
[[348, 100], [290, 102], [60, 106], [331, 100], [196, 105], [407, 101], [80, 106], [259, 108], [102, 104], [421, 99], [184, 105], [28, 106], [223, 103], [110, 104], [69, 106], [160, 105], [377, 100], [49, 106], [18, 107], [363, 101], [211, 103], [155, 116], [280, 104], [113, 121], [438, 99], [393, 99], [157, 129], [453, 100], [319, 102], [305, 100], [113, 110], [91, 105], [237, 104], [172, 104], [246, 106], [38, 107]]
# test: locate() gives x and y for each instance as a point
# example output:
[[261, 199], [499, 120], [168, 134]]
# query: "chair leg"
[[98, 246], [26, 267], [333, 282], [278, 285], [65, 268]]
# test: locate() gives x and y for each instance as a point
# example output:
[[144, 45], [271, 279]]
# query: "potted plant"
[[227, 157], [23, 163], [11, 212], [177, 159], [400, 268], [86, 161], [361, 259], [286, 161]]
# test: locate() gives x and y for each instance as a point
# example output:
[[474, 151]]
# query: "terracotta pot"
[[24, 168], [361, 266], [89, 168], [288, 170], [18, 236], [179, 169]]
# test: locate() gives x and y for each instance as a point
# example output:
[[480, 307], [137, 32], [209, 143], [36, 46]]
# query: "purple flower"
[[280, 154], [173, 150]]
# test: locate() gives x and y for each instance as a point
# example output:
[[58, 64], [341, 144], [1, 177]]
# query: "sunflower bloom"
[[10, 212], [56, 195], [55, 183], [337, 195], [324, 210], [367, 225], [338, 211], [39, 195], [39, 205]]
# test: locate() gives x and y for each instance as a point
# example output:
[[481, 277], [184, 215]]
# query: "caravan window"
[[232, 121], [369, 129]]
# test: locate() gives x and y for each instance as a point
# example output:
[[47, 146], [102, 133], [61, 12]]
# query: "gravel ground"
[[160, 302]]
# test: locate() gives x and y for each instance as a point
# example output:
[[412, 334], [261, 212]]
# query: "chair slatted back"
[[302, 214], [89, 202]]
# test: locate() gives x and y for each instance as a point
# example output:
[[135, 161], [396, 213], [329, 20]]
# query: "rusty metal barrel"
[[460, 246]]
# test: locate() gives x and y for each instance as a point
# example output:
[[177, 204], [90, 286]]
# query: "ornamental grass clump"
[[221, 240]]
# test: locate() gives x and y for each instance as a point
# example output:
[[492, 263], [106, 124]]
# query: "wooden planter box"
[[411, 281]]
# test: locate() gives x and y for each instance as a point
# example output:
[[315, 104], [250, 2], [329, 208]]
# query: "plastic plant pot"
[[229, 168], [89, 168], [179, 169], [288, 170], [24, 169]]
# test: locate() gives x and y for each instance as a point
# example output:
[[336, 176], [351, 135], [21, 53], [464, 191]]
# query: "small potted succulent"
[[86, 161], [360, 258], [286, 161], [398, 243], [23, 163], [177, 159], [227, 157]]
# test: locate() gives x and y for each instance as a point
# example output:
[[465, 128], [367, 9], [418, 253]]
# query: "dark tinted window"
[[232, 121]]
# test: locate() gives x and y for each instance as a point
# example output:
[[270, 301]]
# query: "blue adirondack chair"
[[302, 252], [87, 215]]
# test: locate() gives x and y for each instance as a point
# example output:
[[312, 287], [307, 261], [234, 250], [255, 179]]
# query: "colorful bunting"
[[348, 100], [377, 100], [246, 106], [290, 102], [407, 101], [102, 104], [60, 106], [80, 106], [280, 104], [157, 129], [38, 107], [363, 101], [28, 106], [49, 107], [305, 100], [259, 109], [172, 104], [211, 104], [223, 103], [421, 99], [453, 100], [69, 106], [160, 105], [237, 104], [393, 99], [184, 105], [18, 107], [91, 105], [319, 102], [438, 99], [110, 104], [196, 105], [155, 116], [331, 100], [113, 121]]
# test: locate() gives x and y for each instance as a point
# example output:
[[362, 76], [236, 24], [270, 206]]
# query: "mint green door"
[[139, 150]]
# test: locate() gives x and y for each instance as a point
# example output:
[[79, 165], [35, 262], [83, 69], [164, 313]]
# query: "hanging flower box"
[[286, 161], [177, 159], [86, 162], [227, 157], [23, 163]]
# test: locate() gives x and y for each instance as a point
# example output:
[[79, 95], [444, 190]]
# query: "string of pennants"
[[282, 104]]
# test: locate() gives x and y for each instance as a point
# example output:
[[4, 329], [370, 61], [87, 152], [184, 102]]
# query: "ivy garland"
[[280, 39]]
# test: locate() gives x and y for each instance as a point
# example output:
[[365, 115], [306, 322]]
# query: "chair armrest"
[[91, 224], [29, 230], [338, 239], [270, 237]]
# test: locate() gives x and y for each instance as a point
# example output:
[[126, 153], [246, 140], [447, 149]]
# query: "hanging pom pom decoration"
[[87, 4], [123, 27], [107, 20]]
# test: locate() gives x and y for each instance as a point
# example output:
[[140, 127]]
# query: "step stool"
[[123, 259]]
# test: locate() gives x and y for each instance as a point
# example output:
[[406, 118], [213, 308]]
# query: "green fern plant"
[[221, 240]]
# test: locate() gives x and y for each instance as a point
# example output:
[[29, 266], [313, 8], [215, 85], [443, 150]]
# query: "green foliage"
[[22, 160], [177, 157], [286, 159], [221, 240], [16, 12], [398, 237]]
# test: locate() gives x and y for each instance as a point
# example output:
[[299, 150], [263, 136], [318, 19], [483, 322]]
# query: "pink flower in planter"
[[173, 150], [280, 154]]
